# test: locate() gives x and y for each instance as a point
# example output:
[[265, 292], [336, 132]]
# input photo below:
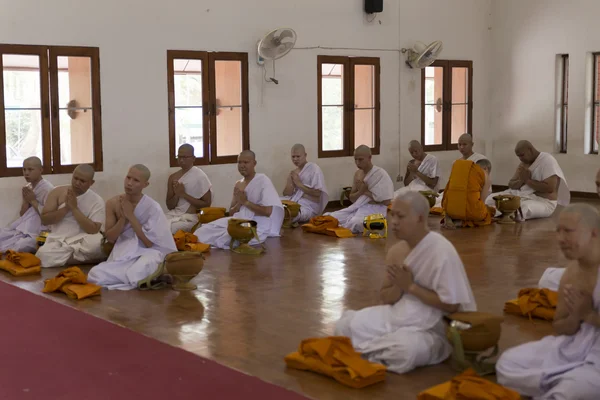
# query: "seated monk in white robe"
[[141, 234], [372, 191], [188, 190], [567, 365], [306, 186], [254, 198], [539, 181], [74, 215], [408, 331], [422, 172], [21, 234]]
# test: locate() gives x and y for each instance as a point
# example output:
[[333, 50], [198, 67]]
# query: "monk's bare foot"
[[448, 223], [164, 278]]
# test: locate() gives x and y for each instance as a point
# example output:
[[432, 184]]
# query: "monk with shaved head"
[[465, 147], [141, 235], [75, 215], [423, 280], [254, 198], [567, 364], [188, 191], [305, 185], [538, 181], [422, 172], [372, 191], [22, 233]]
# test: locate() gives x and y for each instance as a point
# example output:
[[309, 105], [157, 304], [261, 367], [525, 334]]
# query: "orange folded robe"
[[72, 282], [20, 264], [533, 302], [186, 241], [327, 225], [334, 356], [468, 386], [210, 214], [462, 196]]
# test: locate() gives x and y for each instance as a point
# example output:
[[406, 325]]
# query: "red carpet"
[[51, 351]]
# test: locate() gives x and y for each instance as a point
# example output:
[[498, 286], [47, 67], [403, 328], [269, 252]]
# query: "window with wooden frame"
[[563, 101], [49, 107], [594, 136], [447, 103], [208, 105], [348, 104]]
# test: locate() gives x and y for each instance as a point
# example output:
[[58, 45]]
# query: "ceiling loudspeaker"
[[373, 6]]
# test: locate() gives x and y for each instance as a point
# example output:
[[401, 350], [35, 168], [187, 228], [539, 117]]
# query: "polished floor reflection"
[[250, 311]]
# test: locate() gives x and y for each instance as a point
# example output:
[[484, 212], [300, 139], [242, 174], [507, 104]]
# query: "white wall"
[[133, 38], [526, 37], [463, 26]]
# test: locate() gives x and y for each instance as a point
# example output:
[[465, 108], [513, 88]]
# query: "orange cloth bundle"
[[327, 225], [210, 214], [468, 386], [536, 303], [20, 264], [334, 356], [462, 196], [72, 282], [186, 241]]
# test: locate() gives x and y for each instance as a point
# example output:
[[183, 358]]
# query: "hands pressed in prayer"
[[400, 276], [412, 167], [362, 187], [578, 302], [126, 208], [295, 178], [28, 194], [178, 188], [241, 196], [71, 200], [524, 173]]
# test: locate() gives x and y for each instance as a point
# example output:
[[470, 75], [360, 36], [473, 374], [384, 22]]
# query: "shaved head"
[[485, 164], [362, 150], [248, 153], [587, 214], [86, 170], [408, 216], [416, 150], [298, 148], [188, 148], [33, 162], [145, 172], [524, 145], [417, 202], [466, 137], [525, 151]]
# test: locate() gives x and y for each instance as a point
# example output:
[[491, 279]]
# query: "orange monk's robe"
[[334, 356], [468, 386], [210, 214], [72, 282], [20, 264], [462, 196], [534, 303], [327, 225], [186, 241]]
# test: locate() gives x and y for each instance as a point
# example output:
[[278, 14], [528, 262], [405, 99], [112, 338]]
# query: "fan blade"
[[286, 34]]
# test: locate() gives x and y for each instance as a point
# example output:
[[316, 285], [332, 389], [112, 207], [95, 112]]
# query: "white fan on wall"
[[275, 45], [423, 55]]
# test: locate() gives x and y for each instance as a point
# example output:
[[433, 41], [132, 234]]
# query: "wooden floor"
[[250, 311]]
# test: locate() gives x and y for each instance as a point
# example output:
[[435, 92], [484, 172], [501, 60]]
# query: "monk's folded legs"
[[14, 240]]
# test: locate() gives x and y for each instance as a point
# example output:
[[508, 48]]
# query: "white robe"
[[131, 261], [259, 191], [532, 205], [556, 367], [197, 185], [430, 167], [551, 278], [476, 157], [380, 185], [312, 177], [21, 234], [411, 334], [67, 243]]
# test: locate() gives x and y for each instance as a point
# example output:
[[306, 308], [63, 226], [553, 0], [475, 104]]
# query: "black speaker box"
[[373, 6]]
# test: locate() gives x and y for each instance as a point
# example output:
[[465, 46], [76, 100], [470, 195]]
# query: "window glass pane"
[[22, 101], [188, 82], [76, 113], [433, 125], [460, 85], [364, 127], [189, 123], [228, 89], [332, 84], [332, 128], [434, 85], [189, 129], [459, 121], [364, 86]]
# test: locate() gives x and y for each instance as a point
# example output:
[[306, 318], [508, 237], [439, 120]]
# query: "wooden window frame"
[[595, 102], [348, 133], [447, 101], [564, 103], [50, 124], [209, 104]]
